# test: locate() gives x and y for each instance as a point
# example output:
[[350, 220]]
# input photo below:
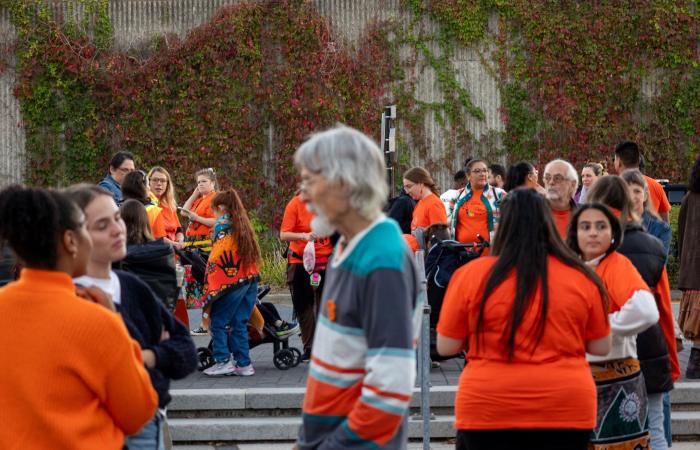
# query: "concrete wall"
[[138, 21]]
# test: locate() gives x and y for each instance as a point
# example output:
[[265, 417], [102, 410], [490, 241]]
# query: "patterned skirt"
[[622, 407], [689, 316]]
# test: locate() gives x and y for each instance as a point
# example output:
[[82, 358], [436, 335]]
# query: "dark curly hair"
[[32, 222]]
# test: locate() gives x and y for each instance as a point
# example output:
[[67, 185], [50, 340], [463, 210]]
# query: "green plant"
[[274, 266], [673, 264]]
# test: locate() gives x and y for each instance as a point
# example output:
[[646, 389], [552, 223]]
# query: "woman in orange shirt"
[[475, 211], [161, 186], [526, 316], [197, 208], [595, 234], [429, 210], [77, 380]]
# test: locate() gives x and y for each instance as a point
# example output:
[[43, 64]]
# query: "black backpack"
[[154, 263]]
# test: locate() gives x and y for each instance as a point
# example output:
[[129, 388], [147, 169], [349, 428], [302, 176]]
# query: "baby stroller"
[[284, 357], [444, 257]]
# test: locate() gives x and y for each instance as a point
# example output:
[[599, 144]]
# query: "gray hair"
[[571, 173], [346, 155]]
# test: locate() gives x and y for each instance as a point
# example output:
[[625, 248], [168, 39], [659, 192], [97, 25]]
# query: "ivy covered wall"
[[241, 91]]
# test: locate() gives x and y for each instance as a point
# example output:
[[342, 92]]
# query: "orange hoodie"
[[70, 375]]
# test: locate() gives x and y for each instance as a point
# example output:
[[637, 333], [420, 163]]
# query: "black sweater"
[[649, 257], [145, 317]]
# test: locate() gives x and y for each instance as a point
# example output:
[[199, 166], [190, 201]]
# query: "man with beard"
[[305, 287], [363, 359], [561, 182]]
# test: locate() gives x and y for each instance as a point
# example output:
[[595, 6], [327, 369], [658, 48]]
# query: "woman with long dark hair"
[[655, 346], [689, 280], [526, 315], [232, 285], [595, 234], [522, 174]]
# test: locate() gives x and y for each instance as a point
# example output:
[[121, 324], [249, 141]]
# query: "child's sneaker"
[[201, 331], [221, 368], [286, 329], [244, 371]]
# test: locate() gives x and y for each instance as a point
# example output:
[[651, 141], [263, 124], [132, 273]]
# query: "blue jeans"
[[667, 418], [233, 309], [656, 421], [150, 437]]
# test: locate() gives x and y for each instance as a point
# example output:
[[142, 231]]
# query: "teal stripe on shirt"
[[382, 247], [342, 329], [355, 438]]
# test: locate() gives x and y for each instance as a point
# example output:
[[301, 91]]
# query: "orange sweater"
[[70, 375]]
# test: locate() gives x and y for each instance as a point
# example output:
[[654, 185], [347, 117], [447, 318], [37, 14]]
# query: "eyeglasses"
[[125, 170], [158, 180], [479, 171], [556, 179]]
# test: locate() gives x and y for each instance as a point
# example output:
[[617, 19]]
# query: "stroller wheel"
[[205, 358], [284, 359], [297, 356]]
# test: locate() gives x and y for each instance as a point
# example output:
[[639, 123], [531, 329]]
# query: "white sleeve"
[[637, 314]]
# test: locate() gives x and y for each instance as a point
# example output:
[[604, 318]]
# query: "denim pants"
[[150, 437], [233, 310], [656, 421], [667, 418]]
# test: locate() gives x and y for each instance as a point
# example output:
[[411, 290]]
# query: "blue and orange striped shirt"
[[363, 360]]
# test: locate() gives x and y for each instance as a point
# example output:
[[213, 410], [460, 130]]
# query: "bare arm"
[[288, 236], [447, 346], [599, 347]]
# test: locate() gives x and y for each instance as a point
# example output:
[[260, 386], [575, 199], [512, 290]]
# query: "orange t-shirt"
[[551, 387], [297, 219], [428, 211], [92, 388], [621, 279], [657, 196], [170, 223], [561, 221], [472, 220], [156, 220], [201, 207]]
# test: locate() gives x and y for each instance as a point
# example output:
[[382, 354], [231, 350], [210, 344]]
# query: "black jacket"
[[154, 263], [145, 317], [649, 257], [400, 209]]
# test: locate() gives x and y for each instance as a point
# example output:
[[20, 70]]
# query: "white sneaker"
[[222, 368], [244, 371]]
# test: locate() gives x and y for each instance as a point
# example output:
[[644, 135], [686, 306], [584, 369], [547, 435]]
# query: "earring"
[[612, 241]]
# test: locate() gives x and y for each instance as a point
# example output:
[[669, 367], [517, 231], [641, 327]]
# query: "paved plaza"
[[267, 375]]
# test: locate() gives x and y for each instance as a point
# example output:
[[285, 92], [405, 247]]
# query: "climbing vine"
[[239, 94]]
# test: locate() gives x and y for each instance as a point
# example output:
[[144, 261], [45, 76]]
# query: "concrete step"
[[685, 425], [192, 403]]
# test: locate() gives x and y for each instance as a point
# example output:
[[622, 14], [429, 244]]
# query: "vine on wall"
[[244, 89], [239, 94]]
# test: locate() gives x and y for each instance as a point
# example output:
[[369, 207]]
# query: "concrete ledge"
[[273, 398], [206, 399], [685, 425], [685, 393]]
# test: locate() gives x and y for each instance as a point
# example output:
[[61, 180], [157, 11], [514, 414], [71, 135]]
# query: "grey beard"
[[321, 227]]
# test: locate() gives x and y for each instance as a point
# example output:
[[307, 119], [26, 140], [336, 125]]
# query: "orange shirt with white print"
[[497, 393], [297, 219], [428, 211]]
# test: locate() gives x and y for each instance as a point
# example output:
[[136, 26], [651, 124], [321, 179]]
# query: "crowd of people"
[[563, 314]]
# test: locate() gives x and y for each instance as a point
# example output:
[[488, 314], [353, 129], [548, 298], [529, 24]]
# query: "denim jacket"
[[112, 186]]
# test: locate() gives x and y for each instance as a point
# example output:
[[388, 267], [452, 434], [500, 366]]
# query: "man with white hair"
[[561, 182], [363, 361]]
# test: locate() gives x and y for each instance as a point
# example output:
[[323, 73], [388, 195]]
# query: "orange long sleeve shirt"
[[70, 375]]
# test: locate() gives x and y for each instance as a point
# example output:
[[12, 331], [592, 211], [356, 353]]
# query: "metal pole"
[[424, 349]]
